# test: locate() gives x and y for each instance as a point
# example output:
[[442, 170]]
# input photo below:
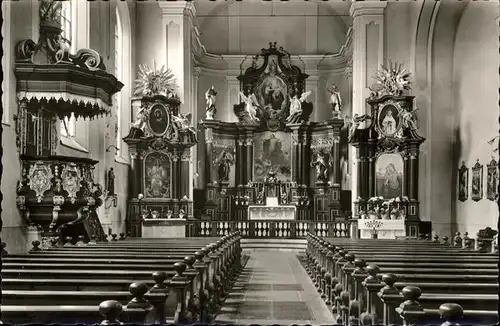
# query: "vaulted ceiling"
[[302, 27]]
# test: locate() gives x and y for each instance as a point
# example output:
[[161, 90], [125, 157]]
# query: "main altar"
[[274, 163]]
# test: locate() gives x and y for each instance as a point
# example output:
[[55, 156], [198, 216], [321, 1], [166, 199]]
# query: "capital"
[[362, 8], [177, 8]]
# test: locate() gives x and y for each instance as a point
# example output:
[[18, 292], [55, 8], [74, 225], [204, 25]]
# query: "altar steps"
[[269, 244]]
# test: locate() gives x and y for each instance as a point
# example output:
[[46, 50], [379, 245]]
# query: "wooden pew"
[[212, 269], [346, 301]]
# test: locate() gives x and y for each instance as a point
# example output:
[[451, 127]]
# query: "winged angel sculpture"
[[391, 80], [354, 124], [296, 107], [251, 105], [183, 122]]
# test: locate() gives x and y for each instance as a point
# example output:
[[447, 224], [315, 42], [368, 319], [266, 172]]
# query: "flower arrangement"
[[379, 208], [155, 82]]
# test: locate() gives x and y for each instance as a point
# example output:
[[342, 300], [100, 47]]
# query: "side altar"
[[274, 161], [160, 142], [387, 146]]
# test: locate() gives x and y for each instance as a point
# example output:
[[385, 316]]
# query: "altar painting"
[[272, 152], [157, 175], [224, 165], [389, 176]]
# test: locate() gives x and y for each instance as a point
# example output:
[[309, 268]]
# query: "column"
[[300, 154], [186, 178], [350, 152], [413, 171], [139, 169], [233, 97], [194, 167], [371, 173], [249, 158], [295, 156], [134, 172], [175, 174], [209, 161], [177, 27], [368, 54], [336, 172], [406, 170], [240, 161]]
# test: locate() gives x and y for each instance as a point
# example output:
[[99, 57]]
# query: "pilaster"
[[234, 28], [367, 56], [177, 25], [194, 150]]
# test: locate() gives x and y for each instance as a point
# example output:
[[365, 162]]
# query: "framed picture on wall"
[[476, 193], [463, 182], [492, 180]]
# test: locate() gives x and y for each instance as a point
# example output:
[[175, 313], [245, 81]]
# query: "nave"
[[341, 281]]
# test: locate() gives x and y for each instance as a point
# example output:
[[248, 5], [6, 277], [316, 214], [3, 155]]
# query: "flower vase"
[[372, 216], [394, 217], [374, 235]]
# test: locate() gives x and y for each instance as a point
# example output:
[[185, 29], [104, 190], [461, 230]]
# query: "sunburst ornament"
[[391, 80], [155, 82]]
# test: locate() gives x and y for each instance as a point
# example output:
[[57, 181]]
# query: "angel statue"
[[354, 124], [408, 119], [321, 167], [183, 122], [296, 106], [335, 99], [210, 96], [251, 105], [140, 119], [223, 165]]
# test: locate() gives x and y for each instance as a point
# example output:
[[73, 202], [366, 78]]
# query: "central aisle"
[[274, 288]]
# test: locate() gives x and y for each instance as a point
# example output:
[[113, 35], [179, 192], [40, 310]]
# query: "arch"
[[433, 44], [122, 18]]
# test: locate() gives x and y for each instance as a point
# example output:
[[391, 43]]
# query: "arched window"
[[119, 75], [68, 22]]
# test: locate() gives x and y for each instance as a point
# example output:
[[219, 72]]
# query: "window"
[[119, 75], [68, 18]]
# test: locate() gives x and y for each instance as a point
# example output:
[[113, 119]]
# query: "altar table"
[[271, 211], [386, 229]]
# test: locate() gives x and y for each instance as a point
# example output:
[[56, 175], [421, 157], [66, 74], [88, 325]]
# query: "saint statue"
[[408, 120], [251, 105], [210, 97], [389, 123], [335, 99], [223, 166], [321, 167], [296, 106]]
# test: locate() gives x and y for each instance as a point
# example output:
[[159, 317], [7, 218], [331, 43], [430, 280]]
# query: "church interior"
[[250, 161]]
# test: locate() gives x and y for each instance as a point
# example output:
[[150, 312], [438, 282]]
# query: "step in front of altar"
[[289, 245]]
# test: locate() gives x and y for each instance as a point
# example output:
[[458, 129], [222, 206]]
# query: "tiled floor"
[[274, 289]]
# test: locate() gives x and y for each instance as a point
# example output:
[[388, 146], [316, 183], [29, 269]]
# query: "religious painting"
[[272, 94], [157, 175], [272, 151], [463, 182], [389, 120], [389, 176], [492, 180], [71, 178], [476, 193], [158, 119]]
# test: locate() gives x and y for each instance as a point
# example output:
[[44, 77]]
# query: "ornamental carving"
[[40, 179], [225, 142], [71, 178], [322, 141]]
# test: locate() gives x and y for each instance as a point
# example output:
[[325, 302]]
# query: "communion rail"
[[269, 229]]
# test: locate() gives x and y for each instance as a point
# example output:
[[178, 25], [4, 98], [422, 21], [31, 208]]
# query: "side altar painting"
[[389, 176], [272, 154]]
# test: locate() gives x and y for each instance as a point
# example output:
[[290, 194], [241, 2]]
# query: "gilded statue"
[[210, 97]]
